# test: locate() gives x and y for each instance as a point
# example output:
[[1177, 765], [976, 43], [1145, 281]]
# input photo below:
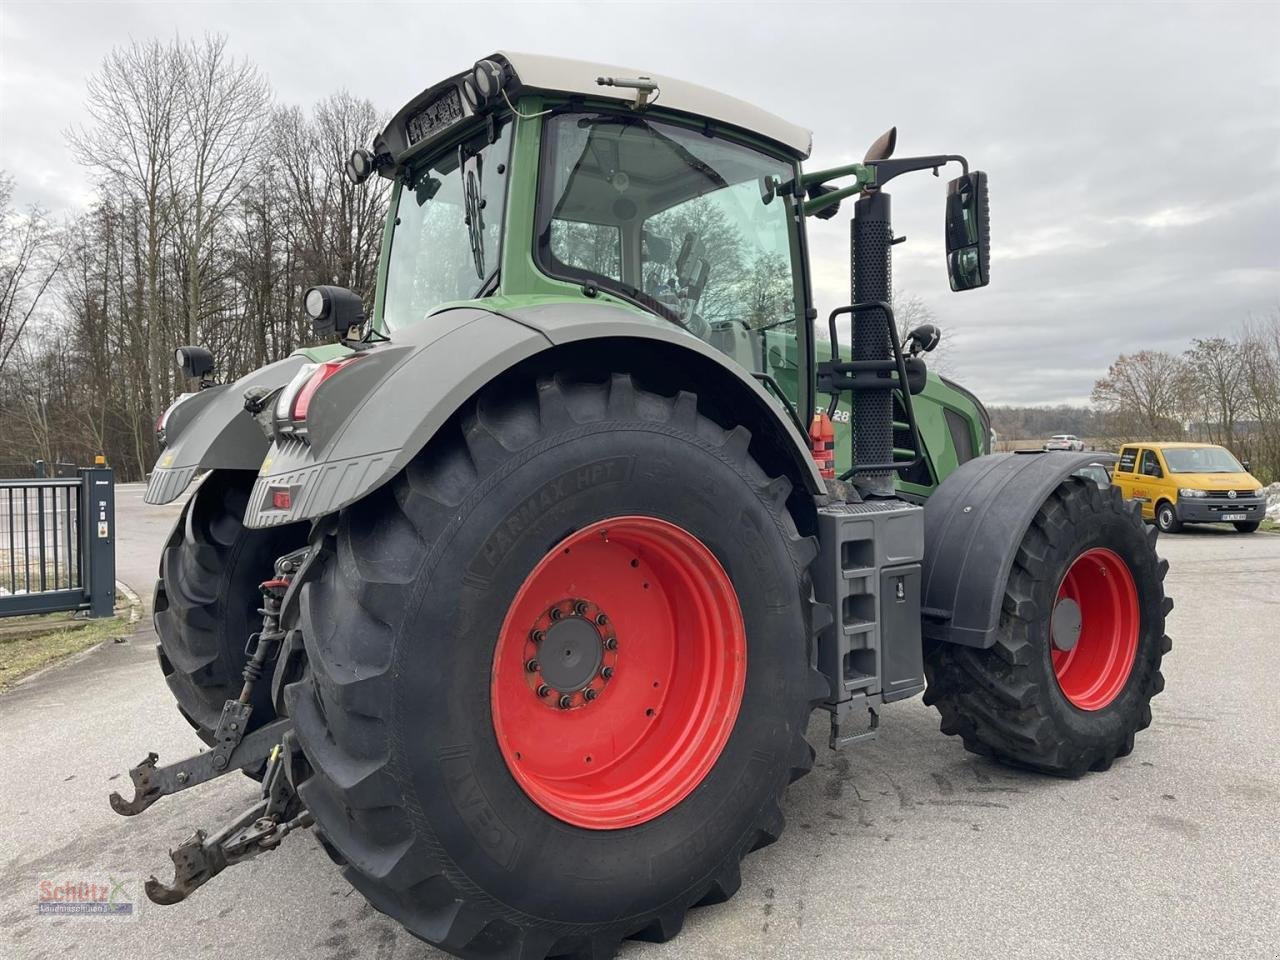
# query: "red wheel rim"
[[639, 660], [1097, 608]]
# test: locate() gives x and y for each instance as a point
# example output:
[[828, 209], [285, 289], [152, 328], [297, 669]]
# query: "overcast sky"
[[1133, 150]]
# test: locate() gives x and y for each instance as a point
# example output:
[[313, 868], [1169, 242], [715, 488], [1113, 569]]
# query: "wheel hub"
[[1065, 625], [571, 654]]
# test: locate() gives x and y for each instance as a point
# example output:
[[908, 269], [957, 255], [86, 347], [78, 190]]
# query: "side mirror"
[[196, 363], [1246, 464], [333, 311], [968, 232], [923, 339]]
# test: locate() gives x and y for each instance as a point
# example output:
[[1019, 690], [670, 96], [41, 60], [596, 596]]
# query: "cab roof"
[[535, 73], [578, 77]]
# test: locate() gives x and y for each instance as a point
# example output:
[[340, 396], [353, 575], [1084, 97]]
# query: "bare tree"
[[220, 114], [1215, 370], [338, 223], [130, 149], [30, 257], [1141, 393]]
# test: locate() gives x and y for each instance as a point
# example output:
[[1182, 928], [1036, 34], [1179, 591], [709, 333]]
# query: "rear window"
[[1128, 457]]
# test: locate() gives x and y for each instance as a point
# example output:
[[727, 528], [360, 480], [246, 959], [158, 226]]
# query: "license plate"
[[1235, 516]]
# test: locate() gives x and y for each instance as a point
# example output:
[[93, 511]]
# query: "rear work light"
[[294, 403]]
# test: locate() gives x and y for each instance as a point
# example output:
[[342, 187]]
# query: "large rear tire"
[[207, 598], [1077, 655], [500, 807]]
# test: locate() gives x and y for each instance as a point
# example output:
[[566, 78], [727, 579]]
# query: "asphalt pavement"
[[903, 847]]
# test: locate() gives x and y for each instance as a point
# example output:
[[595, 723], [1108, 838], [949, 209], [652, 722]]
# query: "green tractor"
[[544, 560]]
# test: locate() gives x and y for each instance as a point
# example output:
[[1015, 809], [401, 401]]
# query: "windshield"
[[1201, 460], [447, 232], [674, 220]]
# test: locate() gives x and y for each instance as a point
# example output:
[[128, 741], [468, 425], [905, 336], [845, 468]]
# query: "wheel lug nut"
[[532, 666], [601, 619], [536, 636], [556, 614], [590, 694], [580, 608], [544, 690], [566, 701], [611, 643], [607, 672]]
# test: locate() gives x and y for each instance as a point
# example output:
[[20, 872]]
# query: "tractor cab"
[[559, 182], [532, 179]]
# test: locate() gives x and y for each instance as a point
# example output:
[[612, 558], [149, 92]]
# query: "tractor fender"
[[973, 525], [211, 429], [367, 422]]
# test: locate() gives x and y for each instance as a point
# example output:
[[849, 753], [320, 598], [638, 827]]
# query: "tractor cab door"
[[684, 225]]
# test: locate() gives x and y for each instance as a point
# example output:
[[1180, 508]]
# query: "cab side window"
[[1151, 465], [1128, 460]]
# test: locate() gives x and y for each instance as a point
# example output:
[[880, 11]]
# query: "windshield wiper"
[[472, 172]]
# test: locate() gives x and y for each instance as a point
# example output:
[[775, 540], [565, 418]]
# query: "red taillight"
[[302, 402], [281, 498], [822, 442]]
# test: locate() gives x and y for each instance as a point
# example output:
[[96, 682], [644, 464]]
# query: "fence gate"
[[57, 544]]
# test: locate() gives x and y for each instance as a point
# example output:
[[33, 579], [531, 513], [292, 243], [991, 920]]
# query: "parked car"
[[1181, 483], [1099, 473], [1064, 441]]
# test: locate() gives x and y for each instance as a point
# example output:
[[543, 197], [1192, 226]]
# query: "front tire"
[[1076, 660], [1247, 526], [461, 797], [1167, 518]]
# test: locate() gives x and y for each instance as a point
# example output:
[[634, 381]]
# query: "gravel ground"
[[904, 847]]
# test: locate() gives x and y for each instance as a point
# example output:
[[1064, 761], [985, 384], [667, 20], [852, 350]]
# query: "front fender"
[[369, 421], [211, 429], [973, 525]]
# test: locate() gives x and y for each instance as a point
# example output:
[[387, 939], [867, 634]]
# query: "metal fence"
[[57, 544]]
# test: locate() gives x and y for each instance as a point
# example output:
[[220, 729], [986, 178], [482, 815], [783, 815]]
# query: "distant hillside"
[[1031, 423]]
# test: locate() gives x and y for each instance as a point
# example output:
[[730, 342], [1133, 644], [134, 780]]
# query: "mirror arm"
[[864, 172], [832, 199], [886, 170]]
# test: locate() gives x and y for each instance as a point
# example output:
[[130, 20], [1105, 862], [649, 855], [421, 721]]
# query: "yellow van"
[[1181, 483]]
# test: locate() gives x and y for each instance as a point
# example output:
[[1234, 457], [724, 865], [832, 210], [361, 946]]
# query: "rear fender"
[[366, 423], [973, 525], [211, 429]]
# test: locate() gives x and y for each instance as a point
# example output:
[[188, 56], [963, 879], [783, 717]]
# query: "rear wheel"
[[1247, 526], [207, 598], [1077, 655], [558, 673], [1167, 518]]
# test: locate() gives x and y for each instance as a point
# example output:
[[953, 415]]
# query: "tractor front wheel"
[[558, 672], [1167, 518], [1076, 660]]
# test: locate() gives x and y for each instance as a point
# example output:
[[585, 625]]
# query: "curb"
[[135, 602]]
